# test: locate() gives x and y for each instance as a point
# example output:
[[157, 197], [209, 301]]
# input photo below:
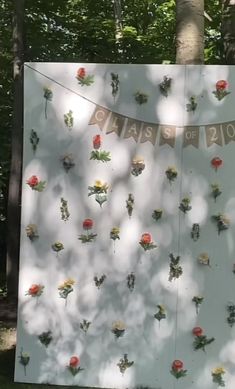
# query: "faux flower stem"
[[48, 97], [24, 359], [198, 301]]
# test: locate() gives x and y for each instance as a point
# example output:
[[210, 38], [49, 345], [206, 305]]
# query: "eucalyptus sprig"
[[114, 84], [68, 119], [165, 86], [130, 204], [175, 268], [99, 281], [34, 140], [131, 281], [231, 314], [195, 232], [64, 209]]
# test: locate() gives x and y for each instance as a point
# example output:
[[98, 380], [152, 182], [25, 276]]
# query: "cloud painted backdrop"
[[120, 261]]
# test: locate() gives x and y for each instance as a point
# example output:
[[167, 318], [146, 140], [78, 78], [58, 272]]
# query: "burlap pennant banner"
[[99, 116], [167, 135], [218, 133], [115, 124], [132, 129], [213, 135], [149, 133], [228, 130], [191, 136]]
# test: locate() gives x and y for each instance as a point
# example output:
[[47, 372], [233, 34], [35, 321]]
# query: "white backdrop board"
[[90, 305]]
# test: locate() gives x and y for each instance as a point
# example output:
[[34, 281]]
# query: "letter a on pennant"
[[132, 129]]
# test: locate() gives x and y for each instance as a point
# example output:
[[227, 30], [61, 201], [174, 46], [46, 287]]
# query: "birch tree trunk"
[[118, 21], [14, 196], [189, 31], [228, 30]]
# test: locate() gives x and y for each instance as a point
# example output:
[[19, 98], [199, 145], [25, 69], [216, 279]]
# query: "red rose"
[[32, 181], [197, 331], [216, 162], [177, 364], [221, 85], [146, 238], [81, 73], [87, 224], [96, 141], [34, 289], [74, 361]]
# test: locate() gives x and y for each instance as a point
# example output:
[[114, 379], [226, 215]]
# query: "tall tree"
[[13, 224], [228, 31], [118, 21], [189, 31]]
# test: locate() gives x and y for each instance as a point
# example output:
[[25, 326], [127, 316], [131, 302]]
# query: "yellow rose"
[[118, 325], [138, 160], [115, 230], [172, 169], [161, 308], [218, 370], [66, 283], [98, 184], [204, 259]]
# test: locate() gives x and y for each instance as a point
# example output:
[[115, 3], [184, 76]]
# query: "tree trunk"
[[14, 196], [228, 31], [189, 31], [118, 21]]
